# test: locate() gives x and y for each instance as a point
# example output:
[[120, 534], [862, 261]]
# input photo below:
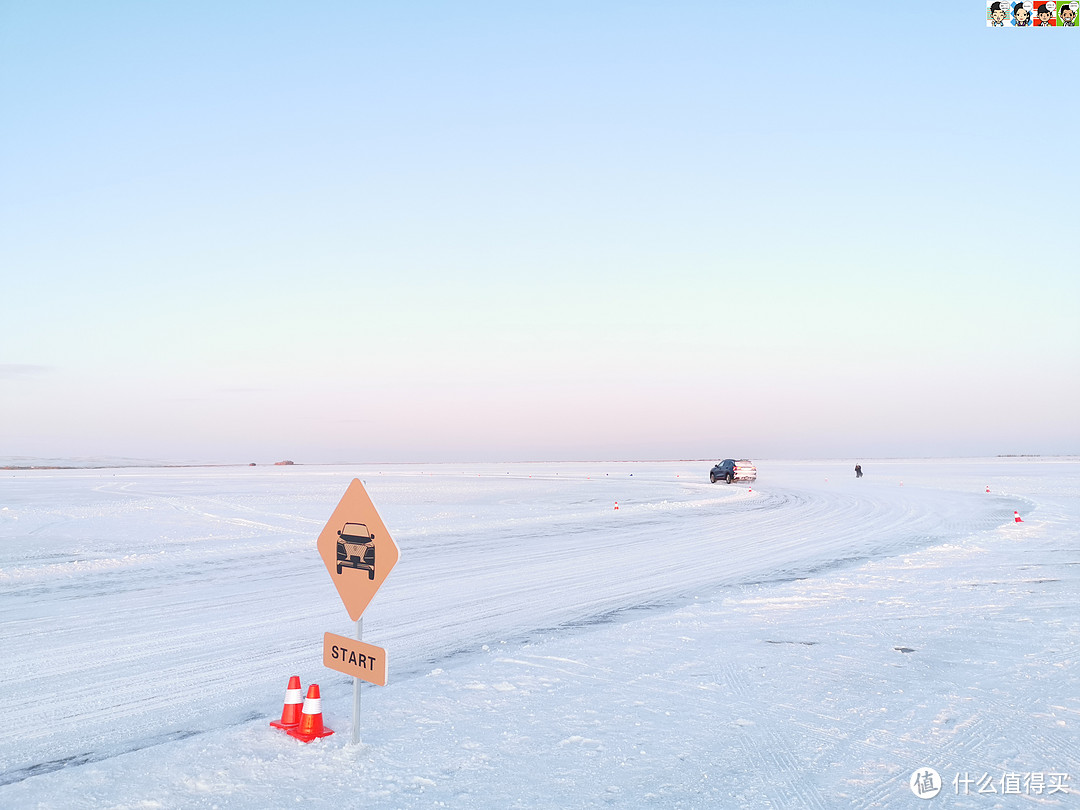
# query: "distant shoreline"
[[150, 465], [147, 466]]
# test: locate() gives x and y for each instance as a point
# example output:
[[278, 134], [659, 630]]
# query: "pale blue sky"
[[491, 231]]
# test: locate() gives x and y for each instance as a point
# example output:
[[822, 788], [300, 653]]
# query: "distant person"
[[858, 470]]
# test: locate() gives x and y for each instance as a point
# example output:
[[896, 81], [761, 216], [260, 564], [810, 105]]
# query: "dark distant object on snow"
[[731, 470], [282, 463], [858, 470], [252, 464]]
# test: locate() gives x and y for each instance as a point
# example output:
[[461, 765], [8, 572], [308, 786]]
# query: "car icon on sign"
[[356, 548]]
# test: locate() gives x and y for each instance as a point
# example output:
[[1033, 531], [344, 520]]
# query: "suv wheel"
[[729, 478], [712, 478]]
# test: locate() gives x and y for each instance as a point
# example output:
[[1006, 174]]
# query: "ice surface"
[[808, 641]]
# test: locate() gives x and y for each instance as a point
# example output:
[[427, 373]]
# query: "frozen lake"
[[805, 642]]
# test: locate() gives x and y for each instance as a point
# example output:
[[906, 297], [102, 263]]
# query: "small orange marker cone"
[[311, 725], [290, 715], [616, 506], [1016, 517]]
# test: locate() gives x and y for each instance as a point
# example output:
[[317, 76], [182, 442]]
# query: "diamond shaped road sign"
[[357, 549]]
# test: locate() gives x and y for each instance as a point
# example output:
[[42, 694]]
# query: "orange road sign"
[[357, 549], [364, 661]]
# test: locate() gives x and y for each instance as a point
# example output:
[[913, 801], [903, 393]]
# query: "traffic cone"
[[1016, 517], [311, 718], [616, 506], [290, 715], [987, 487]]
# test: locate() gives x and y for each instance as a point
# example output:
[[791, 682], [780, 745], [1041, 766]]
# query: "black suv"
[[731, 470]]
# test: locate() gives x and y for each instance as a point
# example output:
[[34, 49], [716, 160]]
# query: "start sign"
[[364, 661], [357, 549]]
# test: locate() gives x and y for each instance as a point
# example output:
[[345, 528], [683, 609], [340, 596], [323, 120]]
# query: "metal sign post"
[[356, 689]]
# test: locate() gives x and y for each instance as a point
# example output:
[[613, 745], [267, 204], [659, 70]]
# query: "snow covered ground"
[[810, 643]]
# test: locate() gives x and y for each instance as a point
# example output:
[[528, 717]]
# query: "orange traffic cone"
[[1016, 517], [290, 715], [311, 718]]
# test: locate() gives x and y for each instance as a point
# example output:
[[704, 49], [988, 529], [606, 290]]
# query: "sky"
[[337, 232]]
